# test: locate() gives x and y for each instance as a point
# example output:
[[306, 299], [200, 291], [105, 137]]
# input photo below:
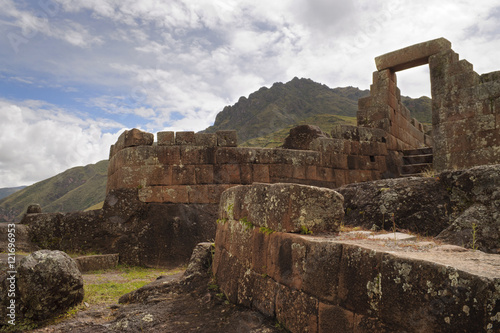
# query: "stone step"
[[417, 159], [420, 151], [415, 168]]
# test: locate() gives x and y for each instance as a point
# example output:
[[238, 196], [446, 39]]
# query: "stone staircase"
[[416, 161]]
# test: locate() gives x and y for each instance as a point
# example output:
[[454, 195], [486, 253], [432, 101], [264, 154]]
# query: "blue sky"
[[74, 74]]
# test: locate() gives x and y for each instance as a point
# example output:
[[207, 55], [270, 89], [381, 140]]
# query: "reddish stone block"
[[246, 174], [185, 138], [227, 174], [197, 155], [333, 318], [355, 149], [233, 155], [151, 194], [325, 174], [169, 155], [198, 194], [175, 194], [205, 139], [340, 177], [215, 192], [264, 294], [183, 175], [278, 172], [353, 162], [299, 172], [165, 138], [204, 174], [296, 310], [158, 174], [339, 161], [311, 172], [260, 173]]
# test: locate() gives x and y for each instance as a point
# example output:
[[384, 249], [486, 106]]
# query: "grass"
[[105, 287]]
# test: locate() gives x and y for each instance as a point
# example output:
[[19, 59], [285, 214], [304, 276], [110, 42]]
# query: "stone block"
[[165, 138], [169, 155], [340, 178], [360, 280], [311, 172], [97, 262], [133, 138], [280, 172], [204, 174], [197, 155], [183, 175], [333, 318], [296, 310], [205, 139], [246, 174], [185, 138], [325, 174], [299, 172], [233, 155], [264, 294], [260, 173], [227, 174], [175, 194], [151, 194], [411, 56], [198, 194], [285, 207], [227, 138]]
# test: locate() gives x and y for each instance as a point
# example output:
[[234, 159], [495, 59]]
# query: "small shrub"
[[305, 230]]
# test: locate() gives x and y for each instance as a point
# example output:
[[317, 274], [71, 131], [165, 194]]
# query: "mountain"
[[6, 191], [284, 105], [74, 189], [420, 108]]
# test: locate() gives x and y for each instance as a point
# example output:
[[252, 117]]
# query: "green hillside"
[[420, 108], [74, 189]]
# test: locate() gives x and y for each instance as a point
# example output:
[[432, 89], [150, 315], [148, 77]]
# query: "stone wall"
[[466, 113], [319, 283], [197, 168], [465, 122]]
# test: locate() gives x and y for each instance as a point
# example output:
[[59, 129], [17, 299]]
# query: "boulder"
[[283, 207], [44, 285], [302, 136], [49, 283], [34, 209]]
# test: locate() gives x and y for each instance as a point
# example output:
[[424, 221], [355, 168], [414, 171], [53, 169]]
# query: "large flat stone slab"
[[411, 56]]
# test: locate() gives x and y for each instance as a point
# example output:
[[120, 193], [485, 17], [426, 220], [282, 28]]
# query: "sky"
[[74, 74]]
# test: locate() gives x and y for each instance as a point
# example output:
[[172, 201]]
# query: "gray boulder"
[[49, 283]]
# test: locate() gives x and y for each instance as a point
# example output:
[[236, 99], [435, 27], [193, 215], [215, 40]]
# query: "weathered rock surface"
[[421, 205], [97, 262], [47, 284], [141, 233], [283, 207], [302, 136], [475, 207], [460, 207]]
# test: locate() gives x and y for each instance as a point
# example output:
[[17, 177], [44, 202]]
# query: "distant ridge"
[[6, 191], [74, 189]]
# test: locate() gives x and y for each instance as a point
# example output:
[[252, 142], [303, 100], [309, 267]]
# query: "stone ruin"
[[164, 197]]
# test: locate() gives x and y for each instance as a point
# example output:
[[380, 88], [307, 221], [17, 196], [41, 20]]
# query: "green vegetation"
[[305, 230], [246, 223], [266, 230], [74, 189], [474, 236]]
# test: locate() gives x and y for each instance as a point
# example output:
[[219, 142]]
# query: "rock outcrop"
[[460, 207]]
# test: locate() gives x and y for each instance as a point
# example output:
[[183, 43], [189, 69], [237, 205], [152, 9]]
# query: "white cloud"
[[38, 140]]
